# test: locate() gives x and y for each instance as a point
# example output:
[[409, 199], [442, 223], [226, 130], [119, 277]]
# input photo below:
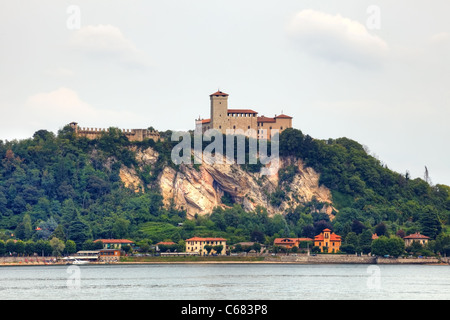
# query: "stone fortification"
[[131, 134]]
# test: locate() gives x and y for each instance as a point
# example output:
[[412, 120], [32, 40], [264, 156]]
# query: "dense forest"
[[68, 187]]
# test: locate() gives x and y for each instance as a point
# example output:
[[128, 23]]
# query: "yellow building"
[[327, 241], [197, 244], [416, 237]]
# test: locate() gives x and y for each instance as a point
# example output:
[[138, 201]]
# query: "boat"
[[80, 262]]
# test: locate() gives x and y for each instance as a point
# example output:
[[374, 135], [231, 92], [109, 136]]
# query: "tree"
[[396, 246], [358, 227], [10, 246], [120, 228], [2, 247], [393, 246], [70, 246], [20, 247], [57, 246], [381, 229], [218, 249], [429, 221], [46, 228], [24, 229], [79, 232], [208, 248], [59, 233]]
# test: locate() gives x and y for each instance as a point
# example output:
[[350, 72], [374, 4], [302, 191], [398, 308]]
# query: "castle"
[[131, 134], [229, 121]]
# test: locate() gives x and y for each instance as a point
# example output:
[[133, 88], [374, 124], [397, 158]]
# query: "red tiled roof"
[[283, 116], [206, 120], [114, 241], [205, 239], [416, 235], [333, 236], [265, 119], [167, 243], [219, 93], [241, 111], [284, 240], [290, 240]]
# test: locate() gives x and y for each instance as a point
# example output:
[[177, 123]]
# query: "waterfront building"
[[289, 243], [416, 237], [115, 243], [197, 244], [328, 241]]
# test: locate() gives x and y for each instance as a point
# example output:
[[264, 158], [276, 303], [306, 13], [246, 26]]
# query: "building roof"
[[242, 111], [333, 236], [283, 116], [265, 119], [219, 93], [416, 235], [114, 241], [206, 239], [167, 243], [290, 240], [206, 121]]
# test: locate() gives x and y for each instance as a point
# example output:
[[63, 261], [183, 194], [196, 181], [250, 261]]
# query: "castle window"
[[220, 127], [248, 127], [234, 127]]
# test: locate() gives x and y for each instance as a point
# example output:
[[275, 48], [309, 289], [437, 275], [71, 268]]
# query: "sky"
[[377, 71]]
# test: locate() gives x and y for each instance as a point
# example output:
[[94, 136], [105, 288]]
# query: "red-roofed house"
[[289, 243], [197, 244], [114, 243], [328, 241], [240, 121], [416, 237]]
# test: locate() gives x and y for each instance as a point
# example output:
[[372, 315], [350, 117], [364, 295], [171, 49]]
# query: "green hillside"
[[68, 187]]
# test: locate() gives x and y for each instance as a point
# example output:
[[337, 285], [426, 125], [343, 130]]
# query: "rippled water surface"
[[225, 281]]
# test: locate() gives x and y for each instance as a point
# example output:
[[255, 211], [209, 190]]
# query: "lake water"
[[225, 282]]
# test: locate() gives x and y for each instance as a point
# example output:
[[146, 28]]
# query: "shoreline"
[[301, 260]]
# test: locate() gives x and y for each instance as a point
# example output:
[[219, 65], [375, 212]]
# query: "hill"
[[74, 188]]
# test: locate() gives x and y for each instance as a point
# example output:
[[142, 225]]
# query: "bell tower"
[[219, 110]]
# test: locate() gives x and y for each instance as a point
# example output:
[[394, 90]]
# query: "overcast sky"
[[374, 71]]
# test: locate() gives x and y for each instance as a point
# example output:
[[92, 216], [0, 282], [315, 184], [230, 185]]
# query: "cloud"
[[336, 38], [107, 41], [63, 106]]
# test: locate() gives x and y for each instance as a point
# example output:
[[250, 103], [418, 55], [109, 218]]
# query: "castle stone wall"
[[131, 134]]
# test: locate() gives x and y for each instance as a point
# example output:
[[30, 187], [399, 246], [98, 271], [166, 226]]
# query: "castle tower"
[[74, 126], [219, 110]]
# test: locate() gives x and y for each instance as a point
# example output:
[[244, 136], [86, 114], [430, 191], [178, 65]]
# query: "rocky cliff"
[[199, 189]]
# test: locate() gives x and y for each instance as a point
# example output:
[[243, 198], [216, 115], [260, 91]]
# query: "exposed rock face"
[[130, 179], [198, 190]]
